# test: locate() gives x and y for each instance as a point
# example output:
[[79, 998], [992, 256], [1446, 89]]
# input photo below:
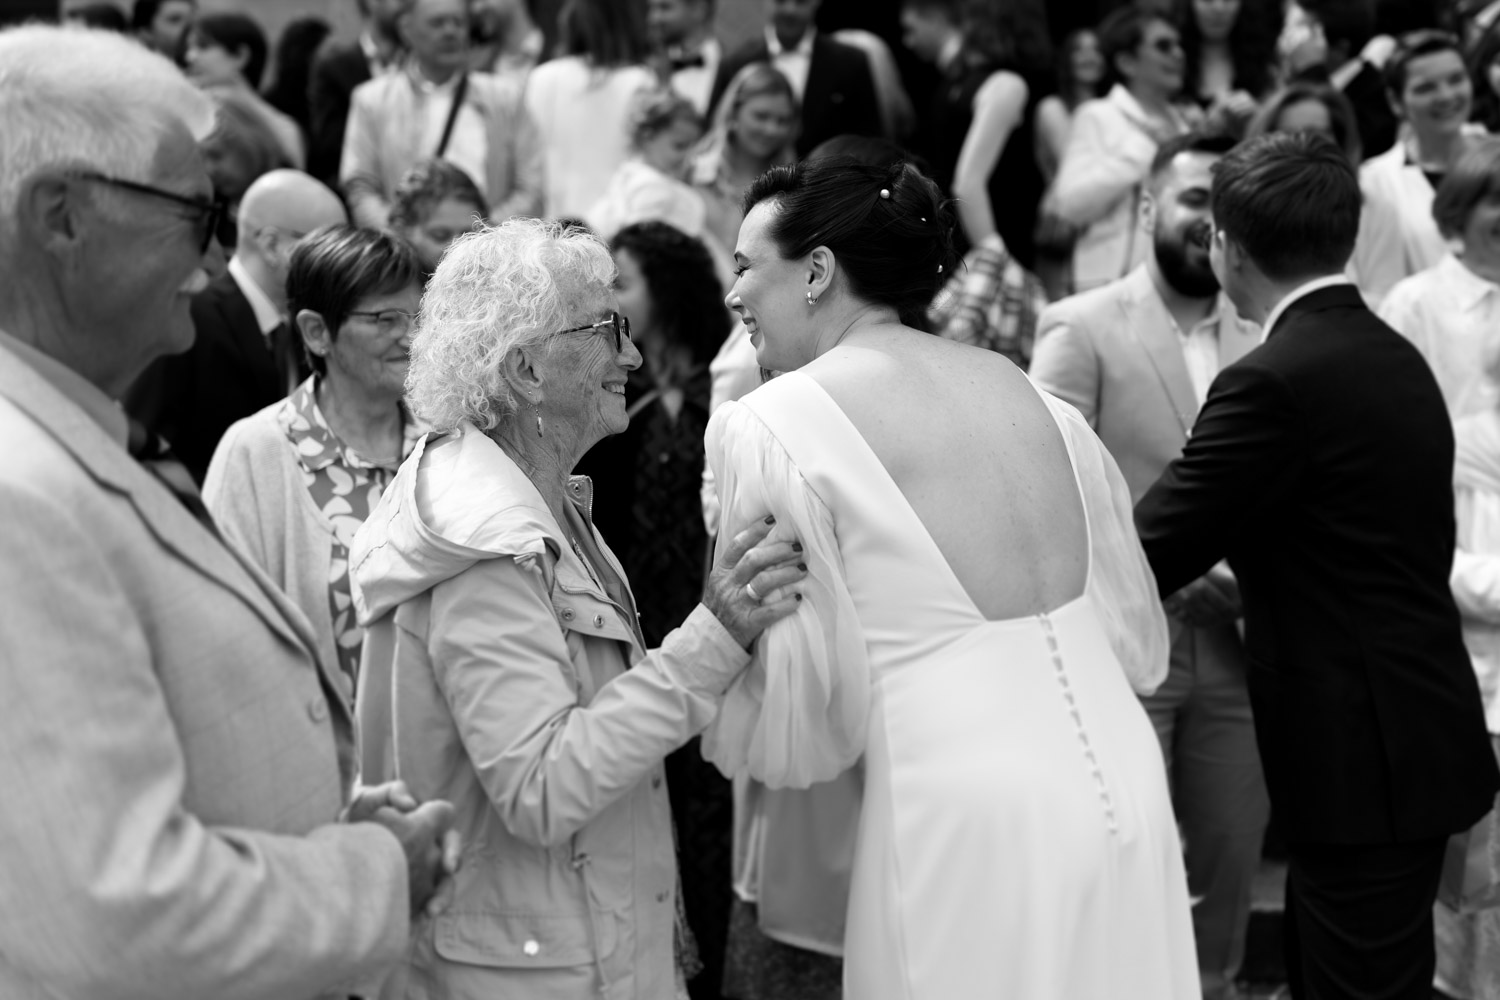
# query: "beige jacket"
[[500, 676], [173, 756]]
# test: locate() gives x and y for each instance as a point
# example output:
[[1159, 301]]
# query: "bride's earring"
[[812, 299]]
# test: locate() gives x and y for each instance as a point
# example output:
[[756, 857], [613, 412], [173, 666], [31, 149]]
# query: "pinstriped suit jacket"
[[172, 765]]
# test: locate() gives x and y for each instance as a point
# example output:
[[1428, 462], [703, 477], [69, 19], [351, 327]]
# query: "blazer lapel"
[[1146, 317], [174, 527]]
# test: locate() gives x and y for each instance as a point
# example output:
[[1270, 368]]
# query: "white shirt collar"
[[267, 316], [774, 47], [1301, 291]]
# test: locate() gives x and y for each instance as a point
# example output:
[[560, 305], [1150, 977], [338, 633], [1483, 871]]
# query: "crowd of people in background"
[[350, 177]]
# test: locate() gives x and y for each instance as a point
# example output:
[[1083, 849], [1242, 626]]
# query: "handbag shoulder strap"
[[459, 93]]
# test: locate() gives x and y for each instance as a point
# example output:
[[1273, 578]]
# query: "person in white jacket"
[[1112, 143], [1430, 88]]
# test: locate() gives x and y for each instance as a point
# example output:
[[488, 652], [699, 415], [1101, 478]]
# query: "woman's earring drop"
[[812, 299], [538, 412]]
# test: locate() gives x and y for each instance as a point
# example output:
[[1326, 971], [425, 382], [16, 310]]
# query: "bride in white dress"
[[976, 615]]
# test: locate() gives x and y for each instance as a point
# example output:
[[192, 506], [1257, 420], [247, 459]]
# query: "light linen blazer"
[[383, 136], [172, 763], [1114, 353]]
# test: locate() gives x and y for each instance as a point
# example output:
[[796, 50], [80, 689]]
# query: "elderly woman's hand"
[[750, 586]]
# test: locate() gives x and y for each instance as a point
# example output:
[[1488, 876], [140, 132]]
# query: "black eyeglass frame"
[[620, 324], [213, 212]]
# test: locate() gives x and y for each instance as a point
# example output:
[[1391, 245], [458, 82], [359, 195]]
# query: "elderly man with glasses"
[[175, 756], [246, 354]]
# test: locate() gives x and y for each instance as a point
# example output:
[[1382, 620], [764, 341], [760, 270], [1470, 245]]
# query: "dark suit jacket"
[[840, 93], [337, 69], [230, 372], [1321, 465]]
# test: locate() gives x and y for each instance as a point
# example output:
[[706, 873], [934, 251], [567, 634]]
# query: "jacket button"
[[531, 948], [598, 621], [661, 897], [656, 782], [318, 709], [567, 614]]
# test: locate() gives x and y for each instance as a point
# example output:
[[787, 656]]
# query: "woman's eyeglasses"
[[620, 324], [1167, 46], [212, 214], [388, 321]]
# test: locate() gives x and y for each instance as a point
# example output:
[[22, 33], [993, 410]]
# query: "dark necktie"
[[686, 60], [286, 351], [155, 455]]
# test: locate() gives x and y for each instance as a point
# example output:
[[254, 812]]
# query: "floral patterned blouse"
[[345, 487]]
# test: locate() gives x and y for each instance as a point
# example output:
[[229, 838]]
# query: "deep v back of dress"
[[872, 499], [1016, 837]]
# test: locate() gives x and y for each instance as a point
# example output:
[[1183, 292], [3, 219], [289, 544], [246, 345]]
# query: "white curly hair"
[[512, 285]]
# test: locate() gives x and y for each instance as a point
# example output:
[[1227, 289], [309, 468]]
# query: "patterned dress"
[[344, 486]]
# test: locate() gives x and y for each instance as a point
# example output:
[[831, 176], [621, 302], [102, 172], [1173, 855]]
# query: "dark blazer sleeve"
[[1245, 453]]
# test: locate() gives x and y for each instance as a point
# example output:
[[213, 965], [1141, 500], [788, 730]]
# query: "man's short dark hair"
[[1473, 178], [1291, 201], [1411, 47], [1208, 143], [1347, 24]]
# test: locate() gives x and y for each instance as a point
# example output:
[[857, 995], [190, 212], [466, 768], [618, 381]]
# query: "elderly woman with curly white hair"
[[503, 667]]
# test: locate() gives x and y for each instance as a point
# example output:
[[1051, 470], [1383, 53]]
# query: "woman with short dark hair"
[[291, 484], [226, 56], [976, 612], [1429, 86]]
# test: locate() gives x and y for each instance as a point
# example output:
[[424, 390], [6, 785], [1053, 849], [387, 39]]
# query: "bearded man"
[[1137, 356]]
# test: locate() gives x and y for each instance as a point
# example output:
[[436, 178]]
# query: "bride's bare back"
[[977, 455]]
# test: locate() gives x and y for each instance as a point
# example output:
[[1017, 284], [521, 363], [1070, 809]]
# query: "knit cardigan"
[[256, 493]]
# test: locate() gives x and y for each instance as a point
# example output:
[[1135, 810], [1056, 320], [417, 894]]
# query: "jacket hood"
[[457, 499]]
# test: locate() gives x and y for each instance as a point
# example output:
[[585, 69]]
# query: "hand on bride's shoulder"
[[754, 581]]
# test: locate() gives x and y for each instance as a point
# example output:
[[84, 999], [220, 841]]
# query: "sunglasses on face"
[[620, 325], [1166, 46], [211, 214]]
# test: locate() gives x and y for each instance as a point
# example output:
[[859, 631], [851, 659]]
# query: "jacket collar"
[[1330, 292], [1147, 318]]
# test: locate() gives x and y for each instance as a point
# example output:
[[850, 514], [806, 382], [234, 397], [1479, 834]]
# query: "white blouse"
[[1450, 313]]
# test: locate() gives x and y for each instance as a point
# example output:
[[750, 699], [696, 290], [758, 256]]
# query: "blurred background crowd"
[[417, 121]]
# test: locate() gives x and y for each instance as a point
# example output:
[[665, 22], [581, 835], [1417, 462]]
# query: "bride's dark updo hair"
[[887, 226]]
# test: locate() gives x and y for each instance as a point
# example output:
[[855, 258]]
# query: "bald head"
[[277, 210], [290, 201]]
